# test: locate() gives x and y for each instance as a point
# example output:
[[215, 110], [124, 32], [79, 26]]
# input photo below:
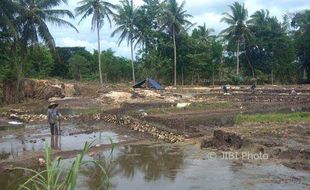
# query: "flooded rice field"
[[24, 141], [163, 166], [141, 161]]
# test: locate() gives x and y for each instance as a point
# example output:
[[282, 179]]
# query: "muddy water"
[[162, 166], [150, 166], [16, 144]]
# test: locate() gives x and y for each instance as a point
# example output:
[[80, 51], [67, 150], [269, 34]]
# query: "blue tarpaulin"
[[148, 83]]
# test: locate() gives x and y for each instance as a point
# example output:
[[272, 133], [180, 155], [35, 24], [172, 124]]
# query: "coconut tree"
[[34, 16], [126, 21], [7, 11], [237, 30], [174, 20], [100, 10], [31, 23], [32, 20], [204, 34]]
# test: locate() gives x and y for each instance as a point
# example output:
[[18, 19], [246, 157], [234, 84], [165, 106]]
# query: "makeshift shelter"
[[148, 83]]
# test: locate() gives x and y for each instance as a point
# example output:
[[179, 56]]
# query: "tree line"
[[164, 44]]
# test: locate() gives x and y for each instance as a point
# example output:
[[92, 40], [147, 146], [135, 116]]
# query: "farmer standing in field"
[[53, 117], [253, 87]]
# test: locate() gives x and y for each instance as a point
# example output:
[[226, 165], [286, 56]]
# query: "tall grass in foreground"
[[56, 177]]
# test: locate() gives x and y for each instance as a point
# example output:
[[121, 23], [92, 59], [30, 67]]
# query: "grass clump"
[[274, 118], [192, 107], [57, 177]]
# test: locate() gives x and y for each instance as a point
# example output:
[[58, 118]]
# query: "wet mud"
[[143, 129]]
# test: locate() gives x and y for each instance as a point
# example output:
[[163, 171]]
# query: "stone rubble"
[[143, 127], [126, 121]]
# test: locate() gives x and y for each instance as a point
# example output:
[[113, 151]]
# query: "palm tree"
[[100, 10], [237, 31], [32, 19], [126, 20], [7, 10], [174, 19], [204, 33], [259, 18]]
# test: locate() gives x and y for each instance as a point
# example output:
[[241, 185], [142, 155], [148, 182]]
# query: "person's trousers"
[[54, 128]]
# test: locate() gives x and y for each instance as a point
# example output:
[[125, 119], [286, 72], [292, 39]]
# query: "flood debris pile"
[[117, 97], [38, 89], [138, 96]]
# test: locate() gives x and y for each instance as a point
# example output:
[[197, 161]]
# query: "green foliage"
[[126, 21], [36, 15], [269, 50], [38, 62], [174, 20], [7, 64], [301, 35], [155, 65], [100, 11], [60, 67], [78, 67], [54, 177], [274, 117], [116, 69]]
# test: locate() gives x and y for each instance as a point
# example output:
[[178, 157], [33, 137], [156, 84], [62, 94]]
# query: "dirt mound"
[[38, 89], [148, 93], [118, 96], [225, 139]]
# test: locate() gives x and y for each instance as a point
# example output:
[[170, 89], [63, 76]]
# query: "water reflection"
[[56, 142], [170, 167], [15, 146], [96, 178], [153, 161], [130, 161], [10, 180]]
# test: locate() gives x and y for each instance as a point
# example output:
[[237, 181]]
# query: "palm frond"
[[59, 13], [46, 35], [61, 22]]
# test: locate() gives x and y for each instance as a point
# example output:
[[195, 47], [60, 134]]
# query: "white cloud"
[[204, 11], [212, 20]]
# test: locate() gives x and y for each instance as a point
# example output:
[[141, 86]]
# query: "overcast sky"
[[203, 11]]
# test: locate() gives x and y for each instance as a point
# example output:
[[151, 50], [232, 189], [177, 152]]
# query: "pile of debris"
[[143, 127], [118, 97], [38, 89]]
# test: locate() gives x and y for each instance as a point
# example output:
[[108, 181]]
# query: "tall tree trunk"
[[182, 76], [80, 75], [272, 76], [20, 68], [213, 78], [238, 46], [99, 52], [132, 63], [175, 57], [198, 79], [308, 74], [251, 66], [221, 70], [192, 79], [19, 78]]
